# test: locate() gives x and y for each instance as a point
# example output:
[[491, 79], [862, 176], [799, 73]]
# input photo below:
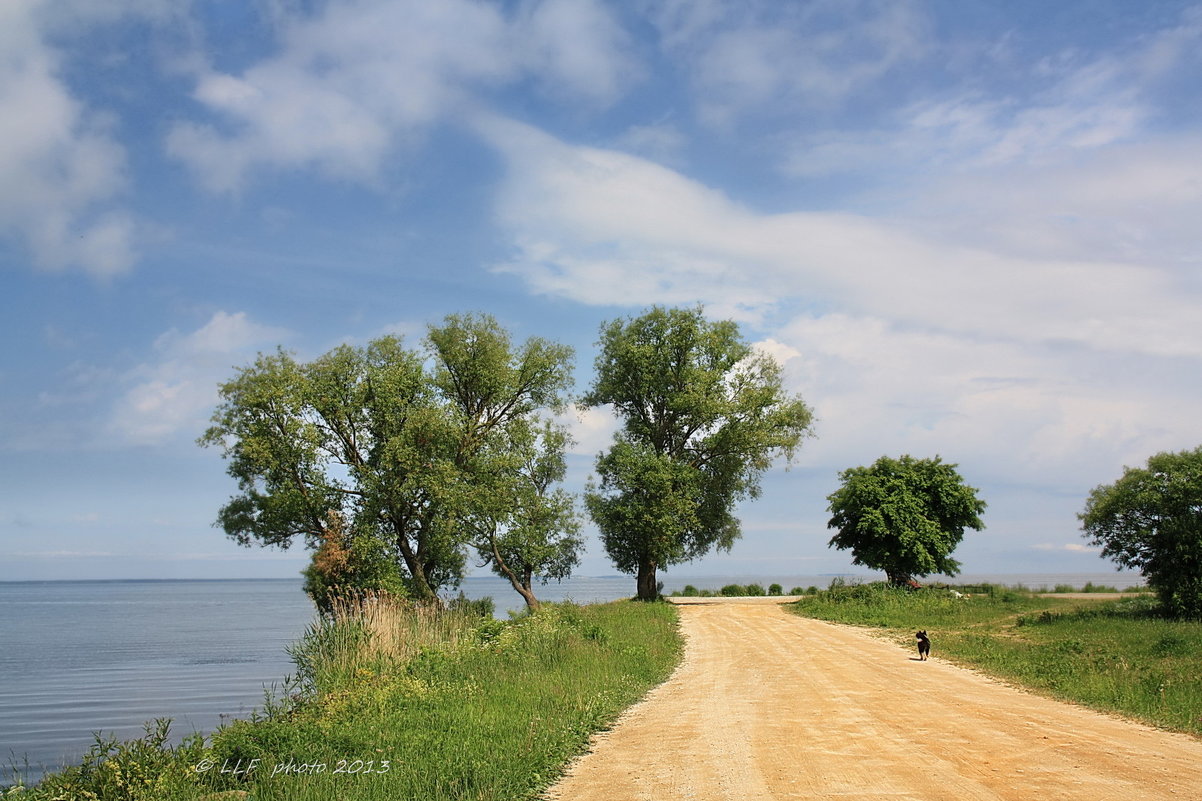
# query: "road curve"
[[767, 705]]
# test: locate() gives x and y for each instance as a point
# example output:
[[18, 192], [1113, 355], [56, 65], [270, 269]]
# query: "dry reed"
[[367, 633]]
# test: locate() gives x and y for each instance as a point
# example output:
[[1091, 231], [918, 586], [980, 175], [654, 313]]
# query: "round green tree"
[[1151, 520], [904, 516]]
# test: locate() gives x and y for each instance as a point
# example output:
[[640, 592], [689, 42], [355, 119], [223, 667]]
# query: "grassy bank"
[[396, 703], [1114, 655]]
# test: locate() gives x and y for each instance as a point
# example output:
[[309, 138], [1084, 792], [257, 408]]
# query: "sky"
[[967, 229]]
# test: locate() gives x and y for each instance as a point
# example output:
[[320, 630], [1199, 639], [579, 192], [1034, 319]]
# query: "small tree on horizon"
[[904, 516]]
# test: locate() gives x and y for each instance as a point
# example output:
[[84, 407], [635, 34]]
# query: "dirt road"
[[768, 705]]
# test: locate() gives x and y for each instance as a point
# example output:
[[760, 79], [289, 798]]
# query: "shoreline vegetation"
[[754, 589], [393, 699], [1117, 655]]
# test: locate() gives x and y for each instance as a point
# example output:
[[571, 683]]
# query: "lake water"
[[78, 657]]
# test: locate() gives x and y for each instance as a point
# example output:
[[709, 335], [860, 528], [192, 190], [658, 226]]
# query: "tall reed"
[[368, 633]]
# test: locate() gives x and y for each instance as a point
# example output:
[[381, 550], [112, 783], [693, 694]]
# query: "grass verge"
[[389, 706], [1114, 655]]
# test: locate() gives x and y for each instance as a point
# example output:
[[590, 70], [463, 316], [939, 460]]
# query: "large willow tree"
[[703, 416], [399, 450]]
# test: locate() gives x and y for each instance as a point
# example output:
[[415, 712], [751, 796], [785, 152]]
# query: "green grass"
[[479, 709], [1118, 656]]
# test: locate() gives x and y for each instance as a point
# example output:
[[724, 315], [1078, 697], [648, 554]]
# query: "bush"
[[775, 589], [137, 770], [732, 590], [754, 590], [346, 564], [480, 607]]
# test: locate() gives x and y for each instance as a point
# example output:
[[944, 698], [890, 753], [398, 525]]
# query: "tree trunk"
[[419, 586], [527, 594], [522, 587], [648, 588]]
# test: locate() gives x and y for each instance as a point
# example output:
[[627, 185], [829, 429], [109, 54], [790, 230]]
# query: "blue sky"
[[967, 228]]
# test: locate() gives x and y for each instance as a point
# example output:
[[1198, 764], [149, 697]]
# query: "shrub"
[[775, 589], [346, 563], [136, 770], [480, 607], [754, 589], [733, 590]]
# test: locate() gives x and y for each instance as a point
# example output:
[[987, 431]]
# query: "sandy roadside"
[[768, 705]]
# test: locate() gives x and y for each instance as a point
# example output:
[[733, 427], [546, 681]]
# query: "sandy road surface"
[[768, 705]]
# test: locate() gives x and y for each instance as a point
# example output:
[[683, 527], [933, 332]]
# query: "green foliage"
[[346, 563], [1121, 656], [479, 607], [523, 527], [703, 416], [1151, 520], [904, 516], [775, 589], [732, 591], [146, 769], [519, 524], [405, 447]]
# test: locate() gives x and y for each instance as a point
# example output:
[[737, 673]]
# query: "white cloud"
[[1071, 547], [61, 168], [1072, 102], [602, 227], [575, 47], [361, 79], [749, 57], [1033, 367], [1009, 411], [1137, 203], [178, 391], [592, 429], [779, 351], [662, 142]]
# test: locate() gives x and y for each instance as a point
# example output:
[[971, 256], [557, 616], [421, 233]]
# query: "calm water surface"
[[78, 657], [107, 656]]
